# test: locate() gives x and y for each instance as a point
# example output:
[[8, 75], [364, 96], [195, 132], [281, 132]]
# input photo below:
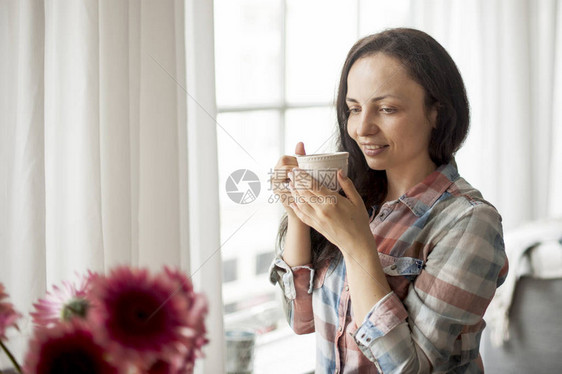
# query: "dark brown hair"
[[427, 63]]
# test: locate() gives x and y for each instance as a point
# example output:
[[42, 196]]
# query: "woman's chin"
[[379, 166]]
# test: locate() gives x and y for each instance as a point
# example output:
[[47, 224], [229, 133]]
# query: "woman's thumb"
[[299, 149]]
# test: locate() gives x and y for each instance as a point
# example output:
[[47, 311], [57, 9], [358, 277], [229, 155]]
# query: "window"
[[230, 270], [263, 260], [277, 70]]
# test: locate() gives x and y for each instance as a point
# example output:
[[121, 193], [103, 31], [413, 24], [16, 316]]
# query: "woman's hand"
[[297, 250], [279, 180], [343, 221]]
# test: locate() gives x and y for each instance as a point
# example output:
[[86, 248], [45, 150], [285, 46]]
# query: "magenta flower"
[[63, 303], [172, 366], [67, 348], [198, 309], [180, 363], [8, 315], [183, 283], [144, 318], [197, 331], [161, 367]]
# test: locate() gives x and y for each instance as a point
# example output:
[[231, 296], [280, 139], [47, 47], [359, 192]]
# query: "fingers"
[[349, 188], [303, 183], [301, 207], [284, 165], [286, 161], [303, 180], [305, 213], [299, 149], [301, 194]]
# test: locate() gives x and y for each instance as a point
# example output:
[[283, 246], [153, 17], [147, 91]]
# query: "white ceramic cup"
[[323, 167]]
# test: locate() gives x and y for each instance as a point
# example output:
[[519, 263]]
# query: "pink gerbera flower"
[[161, 367], [8, 316], [166, 367], [63, 303], [142, 318], [198, 309], [180, 363], [183, 283], [67, 348], [197, 331]]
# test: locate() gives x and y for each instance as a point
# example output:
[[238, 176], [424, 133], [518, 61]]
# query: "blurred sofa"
[[524, 332]]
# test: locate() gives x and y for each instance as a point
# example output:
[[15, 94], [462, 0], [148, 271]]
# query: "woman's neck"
[[400, 181]]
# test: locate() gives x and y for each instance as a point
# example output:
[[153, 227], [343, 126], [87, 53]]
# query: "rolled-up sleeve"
[[296, 284], [437, 327]]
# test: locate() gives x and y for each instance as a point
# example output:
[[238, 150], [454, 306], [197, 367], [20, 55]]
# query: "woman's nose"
[[367, 124]]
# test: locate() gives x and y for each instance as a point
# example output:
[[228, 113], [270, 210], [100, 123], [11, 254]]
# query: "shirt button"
[[340, 329], [384, 213], [347, 288], [393, 267]]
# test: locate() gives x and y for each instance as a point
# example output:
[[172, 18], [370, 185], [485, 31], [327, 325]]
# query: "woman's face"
[[387, 115]]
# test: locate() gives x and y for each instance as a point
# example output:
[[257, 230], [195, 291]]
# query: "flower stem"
[[11, 357]]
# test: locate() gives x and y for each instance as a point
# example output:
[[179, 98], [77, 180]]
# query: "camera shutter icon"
[[243, 186]]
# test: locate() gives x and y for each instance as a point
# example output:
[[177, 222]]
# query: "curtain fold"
[[203, 181], [74, 238], [22, 180], [94, 153], [507, 51]]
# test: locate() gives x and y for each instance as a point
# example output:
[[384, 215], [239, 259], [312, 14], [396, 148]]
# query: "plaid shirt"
[[441, 248]]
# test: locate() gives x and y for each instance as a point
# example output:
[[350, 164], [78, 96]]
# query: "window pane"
[[263, 260], [319, 35], [246, 234], [375, 16], [249, 142], [229, 270], [315, 127], [248, 51]]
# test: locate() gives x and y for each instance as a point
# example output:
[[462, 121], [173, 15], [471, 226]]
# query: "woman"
[[394, 277]]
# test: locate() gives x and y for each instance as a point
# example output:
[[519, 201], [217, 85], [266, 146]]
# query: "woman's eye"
[[354, 110], [388, 110]]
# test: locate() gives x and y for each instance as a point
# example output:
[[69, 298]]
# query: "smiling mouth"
[[374, 149]]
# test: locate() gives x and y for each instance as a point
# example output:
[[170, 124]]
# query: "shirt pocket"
[[407, 267]]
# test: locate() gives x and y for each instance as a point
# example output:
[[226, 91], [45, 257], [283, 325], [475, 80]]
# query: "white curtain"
[[94, 156], [510, 55]]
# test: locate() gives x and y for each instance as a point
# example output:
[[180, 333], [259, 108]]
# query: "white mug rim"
[[323, 156]]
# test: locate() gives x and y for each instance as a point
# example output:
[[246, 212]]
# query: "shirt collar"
[[422, 196]]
